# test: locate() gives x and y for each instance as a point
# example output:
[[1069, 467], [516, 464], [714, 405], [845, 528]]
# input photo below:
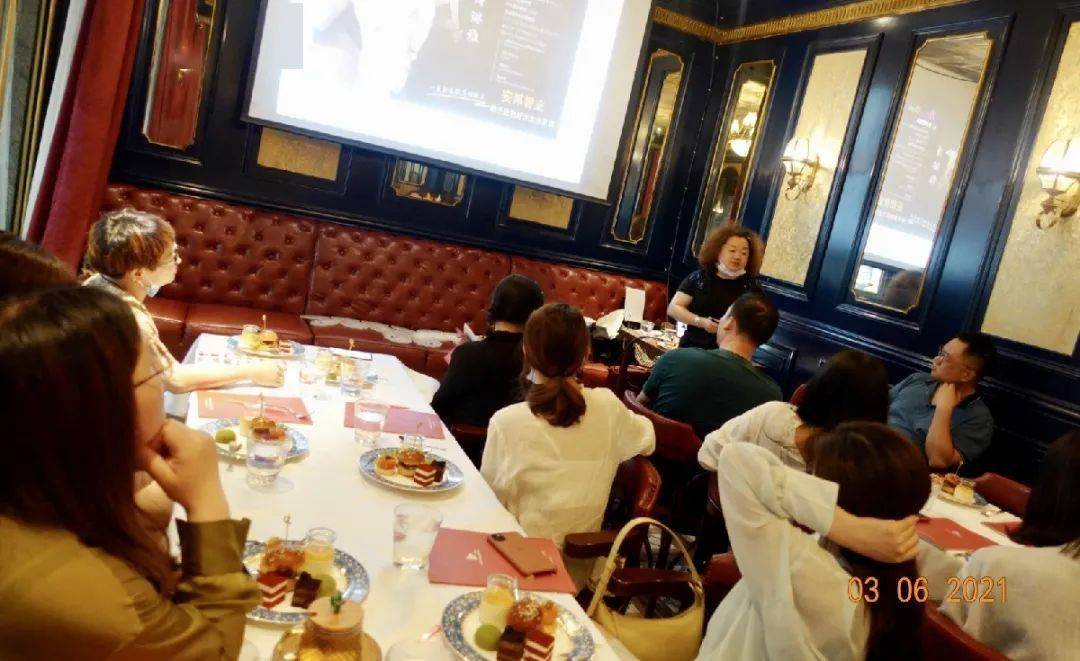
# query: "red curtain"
[[88, 125]]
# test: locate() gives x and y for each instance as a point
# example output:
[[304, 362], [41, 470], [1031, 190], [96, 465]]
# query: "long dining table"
[[326, 488]]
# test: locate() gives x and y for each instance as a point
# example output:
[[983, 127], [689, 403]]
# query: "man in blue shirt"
[[942, 412]]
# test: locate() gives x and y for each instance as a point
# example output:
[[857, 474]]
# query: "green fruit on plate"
[[487, 637], [327, 585], [225, 436]]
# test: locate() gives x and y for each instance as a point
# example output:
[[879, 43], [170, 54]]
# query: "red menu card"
[[949, 535], [399, 420], [464, 557], [216, 404]]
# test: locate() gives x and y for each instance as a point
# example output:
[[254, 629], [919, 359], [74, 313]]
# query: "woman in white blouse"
[[852, 386], [794, 600], [552, 458], [1040, 616]]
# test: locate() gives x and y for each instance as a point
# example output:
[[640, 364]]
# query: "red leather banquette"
[[239, 263]]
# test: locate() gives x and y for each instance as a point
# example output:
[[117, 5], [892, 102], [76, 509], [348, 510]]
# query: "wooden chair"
[[472, 440], [943, 640], [1002, 492], [712, 538], [682, 506]]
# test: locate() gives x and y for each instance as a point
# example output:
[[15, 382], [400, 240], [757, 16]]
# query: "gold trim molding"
[[822, 18]]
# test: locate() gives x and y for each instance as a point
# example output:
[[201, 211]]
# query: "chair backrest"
[[1007, 494], [675, 441], [634, 492], [943, 640], [471, 439], [797, 396]]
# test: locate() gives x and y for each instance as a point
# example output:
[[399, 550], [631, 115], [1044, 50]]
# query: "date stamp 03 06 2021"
[[970, 589]]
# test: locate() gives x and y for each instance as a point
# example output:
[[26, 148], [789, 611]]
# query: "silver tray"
[[452, 477], [582, 646], [297, 349], [357, 585], [298, 443]]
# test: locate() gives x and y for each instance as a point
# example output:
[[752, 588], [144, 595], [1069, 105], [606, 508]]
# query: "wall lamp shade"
[[800, 166], [1059, 176]]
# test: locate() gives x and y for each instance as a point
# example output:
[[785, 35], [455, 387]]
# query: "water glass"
[[265, 459], [371, 415], [352, 380], [415, 528]]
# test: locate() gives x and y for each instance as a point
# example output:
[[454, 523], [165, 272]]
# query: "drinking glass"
[[352, 379], [371, 415], [265, 459], [319, 551], [313, 372], [415, 528]]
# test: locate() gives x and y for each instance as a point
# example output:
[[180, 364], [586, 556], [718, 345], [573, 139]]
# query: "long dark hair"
[[852, 386], [25, 267], [514, 299], [1052, 517], [556, 345], [884, 476], [66, 362]]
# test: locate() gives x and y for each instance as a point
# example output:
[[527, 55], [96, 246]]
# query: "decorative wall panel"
[[1036, 293], [823, 120], [542, 208], [298, 154]]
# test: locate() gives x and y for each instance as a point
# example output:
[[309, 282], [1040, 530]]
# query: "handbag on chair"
[[674, 638]]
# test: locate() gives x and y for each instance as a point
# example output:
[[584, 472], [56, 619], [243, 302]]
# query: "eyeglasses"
[[951, 359], [164, 372], [174, 259]]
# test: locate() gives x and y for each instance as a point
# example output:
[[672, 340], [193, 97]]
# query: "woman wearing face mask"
[[730, 259], [81, 577], [133, 254]]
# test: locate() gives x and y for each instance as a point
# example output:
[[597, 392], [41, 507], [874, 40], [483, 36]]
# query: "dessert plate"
[[452, 477], [460, 621], [351, 577], [237, 451], [979, 501], [295, 349]]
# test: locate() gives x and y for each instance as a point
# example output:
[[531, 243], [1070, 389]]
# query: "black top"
[[712, 296], [483, 377]]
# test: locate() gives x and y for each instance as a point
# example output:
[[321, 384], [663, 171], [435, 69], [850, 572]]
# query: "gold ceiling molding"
[[822, 18]]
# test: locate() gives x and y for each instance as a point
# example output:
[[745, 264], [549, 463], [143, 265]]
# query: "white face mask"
[[724, 272], [152, 290]]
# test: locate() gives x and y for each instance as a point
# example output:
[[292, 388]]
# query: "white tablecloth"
[[328, 490], [972, 518]]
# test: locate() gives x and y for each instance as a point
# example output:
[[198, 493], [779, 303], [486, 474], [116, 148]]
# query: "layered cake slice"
[[511, 645], [538, 646], [274, 587], [306, 590], [424, 475]]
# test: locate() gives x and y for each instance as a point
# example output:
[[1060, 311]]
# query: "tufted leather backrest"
[[231, 255], [402, 281], [595, 293]]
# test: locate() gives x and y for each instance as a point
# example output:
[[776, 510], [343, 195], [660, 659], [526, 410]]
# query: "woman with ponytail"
[[833, 595], [552, 458]]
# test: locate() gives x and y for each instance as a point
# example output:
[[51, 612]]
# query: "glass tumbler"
[[415, 528], [265, 459]]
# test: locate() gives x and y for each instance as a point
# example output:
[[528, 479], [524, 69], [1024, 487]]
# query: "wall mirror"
[[928, 138], [736, 141], [177, 68], [419, 181], [655, 119]]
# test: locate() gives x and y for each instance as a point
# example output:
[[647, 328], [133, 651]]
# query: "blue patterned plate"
[[460, 621], [237, 451], [352, 581], [295, 350], [452, 477]]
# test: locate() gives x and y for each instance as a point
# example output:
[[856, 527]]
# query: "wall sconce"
[[742, 134], [1059, 175], [800, 167]]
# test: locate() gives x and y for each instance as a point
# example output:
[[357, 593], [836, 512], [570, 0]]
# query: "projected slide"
[[530, 90]]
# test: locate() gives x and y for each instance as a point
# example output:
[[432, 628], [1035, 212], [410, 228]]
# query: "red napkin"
[[949, 535], [464, 557], [1004, 527], [215, 404], [399, 420]]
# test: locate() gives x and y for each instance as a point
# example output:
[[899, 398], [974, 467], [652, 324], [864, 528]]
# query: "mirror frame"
[[639, 142], [721, 132], [962, 162], [403, 187]]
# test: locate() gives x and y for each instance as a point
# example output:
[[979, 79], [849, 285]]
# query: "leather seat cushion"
[[230, 320], [230, 254], [402, 281], [169, 317], [595, 293], [596, 375], [413, 356]]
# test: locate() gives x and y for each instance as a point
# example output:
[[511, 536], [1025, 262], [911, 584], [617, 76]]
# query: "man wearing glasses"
[[942, 412]]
